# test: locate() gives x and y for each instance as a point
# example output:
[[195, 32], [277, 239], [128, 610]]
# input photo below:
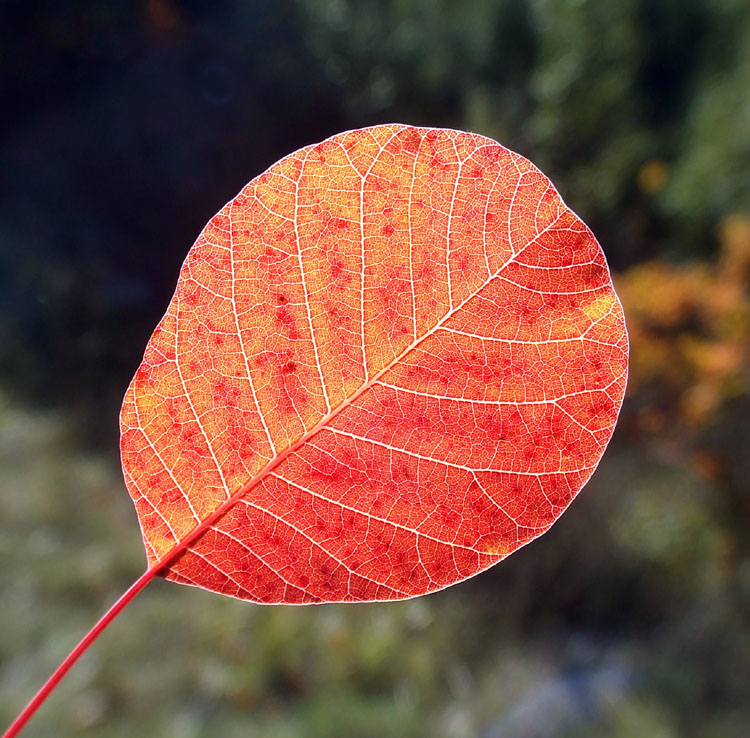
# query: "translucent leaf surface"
[[391, 360]]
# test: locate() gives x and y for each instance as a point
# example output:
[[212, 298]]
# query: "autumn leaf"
[[391, 360]]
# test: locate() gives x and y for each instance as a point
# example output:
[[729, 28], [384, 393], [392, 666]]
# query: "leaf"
[[393, 359]]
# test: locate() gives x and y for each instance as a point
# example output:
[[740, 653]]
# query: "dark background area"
[[127, 125]]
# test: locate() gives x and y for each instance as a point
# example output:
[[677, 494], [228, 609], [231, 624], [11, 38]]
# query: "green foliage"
[[711, 179]]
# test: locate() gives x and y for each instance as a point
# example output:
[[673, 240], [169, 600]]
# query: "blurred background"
[[127, 125]]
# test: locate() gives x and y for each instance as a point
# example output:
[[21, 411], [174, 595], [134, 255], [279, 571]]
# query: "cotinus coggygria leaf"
[[391, 360]]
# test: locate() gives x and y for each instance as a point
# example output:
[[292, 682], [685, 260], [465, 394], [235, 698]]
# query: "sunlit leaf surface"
[[393, 359]]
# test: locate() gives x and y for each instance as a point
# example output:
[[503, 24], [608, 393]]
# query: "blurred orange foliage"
[[689, 328]]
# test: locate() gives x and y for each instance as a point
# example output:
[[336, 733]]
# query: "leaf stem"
[[76, 653]]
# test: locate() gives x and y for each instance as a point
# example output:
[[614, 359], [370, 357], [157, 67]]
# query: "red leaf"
[[393, 359]]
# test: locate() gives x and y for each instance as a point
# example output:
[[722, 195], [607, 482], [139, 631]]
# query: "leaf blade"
[[349, 458]]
